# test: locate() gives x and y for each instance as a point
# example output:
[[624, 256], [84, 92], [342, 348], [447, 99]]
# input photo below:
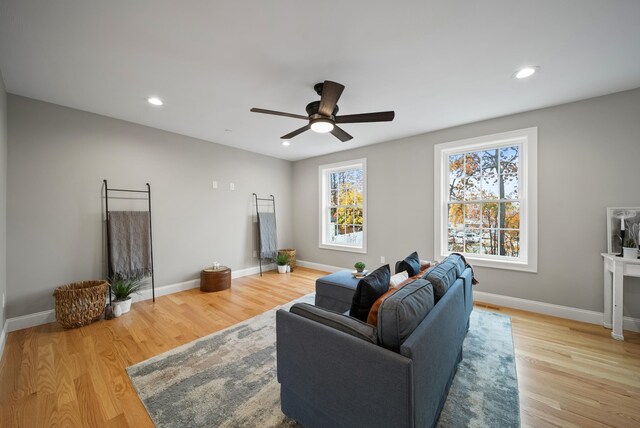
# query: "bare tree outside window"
[[483, 202]]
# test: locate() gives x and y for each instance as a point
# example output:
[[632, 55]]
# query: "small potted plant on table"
[[282, 260], [122, 289], [630, 249], [359, 267]]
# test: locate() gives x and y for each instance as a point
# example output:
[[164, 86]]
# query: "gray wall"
[[57, 159], [588, 159], [3, 197]]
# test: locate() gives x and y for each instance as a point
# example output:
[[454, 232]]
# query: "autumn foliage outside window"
[[343, 208], [484, 206]]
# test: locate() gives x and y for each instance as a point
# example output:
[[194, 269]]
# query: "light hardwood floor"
[[569, 373]]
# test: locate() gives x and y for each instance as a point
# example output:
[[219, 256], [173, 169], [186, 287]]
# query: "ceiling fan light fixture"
[[322, 126], [286, 143]]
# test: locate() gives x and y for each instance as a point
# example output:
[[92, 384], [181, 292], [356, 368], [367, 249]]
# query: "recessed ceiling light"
[[155, 101], [525, 72], [286, 143]]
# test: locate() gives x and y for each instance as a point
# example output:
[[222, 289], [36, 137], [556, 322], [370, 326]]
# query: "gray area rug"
[[228, 379]]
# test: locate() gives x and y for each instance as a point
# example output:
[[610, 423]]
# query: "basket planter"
[[80, 303], [125, 305], [291, 254]]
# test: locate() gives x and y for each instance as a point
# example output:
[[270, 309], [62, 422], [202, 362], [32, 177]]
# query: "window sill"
[[498, 264], [343, 248]]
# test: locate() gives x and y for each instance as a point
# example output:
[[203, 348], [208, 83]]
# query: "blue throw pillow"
[[411, 264], [368, 290]]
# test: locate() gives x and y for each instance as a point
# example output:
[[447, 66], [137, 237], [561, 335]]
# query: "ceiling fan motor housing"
[[313, 107]]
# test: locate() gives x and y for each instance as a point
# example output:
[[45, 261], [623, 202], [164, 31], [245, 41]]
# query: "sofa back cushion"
[[402, 312], [458, 261], [375, 309], [411, 264], [368, 290], [442, 276], [336, 320]]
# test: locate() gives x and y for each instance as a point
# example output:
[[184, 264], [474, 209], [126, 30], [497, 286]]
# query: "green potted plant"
[[282, 260], [122, 289], [630, 248], [360, 267]]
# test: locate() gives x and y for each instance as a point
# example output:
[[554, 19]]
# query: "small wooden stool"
[[215, 279]]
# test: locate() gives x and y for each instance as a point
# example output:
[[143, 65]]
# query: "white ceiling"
[[436, 63]]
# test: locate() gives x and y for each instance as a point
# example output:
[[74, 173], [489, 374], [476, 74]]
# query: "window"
[[486, 199], [343, 220]]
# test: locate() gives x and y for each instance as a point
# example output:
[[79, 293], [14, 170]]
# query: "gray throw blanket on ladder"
[[130, 244], [268, 235]]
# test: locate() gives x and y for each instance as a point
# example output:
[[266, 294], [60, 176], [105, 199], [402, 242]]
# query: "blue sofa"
[[330, 378]]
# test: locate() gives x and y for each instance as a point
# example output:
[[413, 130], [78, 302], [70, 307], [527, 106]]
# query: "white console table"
[[615, 269]]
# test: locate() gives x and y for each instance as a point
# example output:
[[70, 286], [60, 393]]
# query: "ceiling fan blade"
[[382, 116], [341, 134], [331, 92], [279, 113], [298, 131]]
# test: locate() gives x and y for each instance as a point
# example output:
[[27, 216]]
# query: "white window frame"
[[528, 193], [324, 171]]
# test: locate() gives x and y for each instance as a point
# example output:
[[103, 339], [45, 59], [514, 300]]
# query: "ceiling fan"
[[322, 115]]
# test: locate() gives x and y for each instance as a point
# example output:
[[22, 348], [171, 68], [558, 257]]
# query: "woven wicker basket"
[[80, 303], [291, 253]]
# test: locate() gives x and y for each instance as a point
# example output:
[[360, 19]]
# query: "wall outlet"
[[232, 186], [382, 259], [214, 184]]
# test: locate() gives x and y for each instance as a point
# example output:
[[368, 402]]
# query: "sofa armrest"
[[435, 348], [348, 380], [467, 277]]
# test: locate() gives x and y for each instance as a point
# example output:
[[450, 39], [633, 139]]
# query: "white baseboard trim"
[[30, 320], [3, 339], [252, 270], [591, 317], [318, 266], [567, 312], [165, 289], [44, 317]]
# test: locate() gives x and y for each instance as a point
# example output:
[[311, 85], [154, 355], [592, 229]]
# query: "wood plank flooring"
[[570, 374]]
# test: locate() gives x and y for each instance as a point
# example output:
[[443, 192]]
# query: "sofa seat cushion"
[[337, 321], [402, 312], [442, 276], [411, 264], [368, 290]]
